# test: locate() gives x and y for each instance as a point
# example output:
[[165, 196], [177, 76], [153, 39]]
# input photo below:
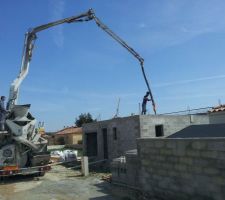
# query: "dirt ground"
[[58, 184]]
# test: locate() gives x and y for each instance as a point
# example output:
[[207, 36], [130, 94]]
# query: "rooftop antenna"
[[139, 108], [99, 117], [117, 109]]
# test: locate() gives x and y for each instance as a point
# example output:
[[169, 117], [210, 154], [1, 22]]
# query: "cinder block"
[[186, 160], [156, 165], [145, 162], [173, 173], [157, 177], [216, 146], [181, 167], [148, 144], [168, 166], [211, 171], [148, 156], [193, 153], [159, 143], [199, 145], [171, 144], [209, 154], [164, 183], [173, 159], [195, 169], [175, 187], [221, 155], [179, 196], [218, 180], [186, 175], [180, 151], [219, 196], [220, 164], [164, 151], [161, 172], [187, 189], [201, 162], [150, 170], [160, 158], [201, 182]]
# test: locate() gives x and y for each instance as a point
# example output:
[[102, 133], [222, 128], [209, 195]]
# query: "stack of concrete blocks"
[[122, 170], [176, 169]]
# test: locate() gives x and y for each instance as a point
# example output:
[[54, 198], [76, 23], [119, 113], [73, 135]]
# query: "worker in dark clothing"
[[144, 103], [3, 113]]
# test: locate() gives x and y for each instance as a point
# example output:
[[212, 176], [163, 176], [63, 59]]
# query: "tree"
[[84, 118]]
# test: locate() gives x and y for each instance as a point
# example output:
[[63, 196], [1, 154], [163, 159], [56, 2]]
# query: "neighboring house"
[[112, 138], [49, 138], [217, 115], [68, 136]]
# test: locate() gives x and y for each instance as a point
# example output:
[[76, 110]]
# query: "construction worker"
[[3, 113], [144, 103]]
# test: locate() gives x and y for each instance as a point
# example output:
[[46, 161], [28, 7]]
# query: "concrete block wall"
[[217, 117], [179, 169], [128, 129], [183, 168], [133, 127], [171, 123], [127, 133]]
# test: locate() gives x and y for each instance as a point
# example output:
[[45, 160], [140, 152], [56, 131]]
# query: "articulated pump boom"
[[20, 144], [29, 45]]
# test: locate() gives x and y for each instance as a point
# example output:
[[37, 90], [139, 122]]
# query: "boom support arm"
[[30, 38]]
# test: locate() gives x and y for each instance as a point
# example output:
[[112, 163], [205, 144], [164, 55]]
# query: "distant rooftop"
[[69, 130], [217, 108]]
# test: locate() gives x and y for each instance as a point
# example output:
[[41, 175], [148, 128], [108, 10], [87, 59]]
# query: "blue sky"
[[77, 68]]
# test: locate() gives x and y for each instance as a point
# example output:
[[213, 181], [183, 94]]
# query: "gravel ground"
[[58, 184]]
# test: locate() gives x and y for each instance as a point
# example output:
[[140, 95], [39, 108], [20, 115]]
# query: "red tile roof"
[[218, 108], [69, 130]]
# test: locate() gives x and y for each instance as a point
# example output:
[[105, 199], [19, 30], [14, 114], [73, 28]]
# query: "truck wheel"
[[41, 173], [38, 174]]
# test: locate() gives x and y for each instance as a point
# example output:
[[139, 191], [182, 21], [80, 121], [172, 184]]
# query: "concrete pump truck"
[[22, 149]]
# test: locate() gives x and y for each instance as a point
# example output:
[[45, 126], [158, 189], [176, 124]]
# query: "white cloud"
[[74, 94], [57, 9], [189, 81], [43, 107], [64, 90], [109, 96], [142, 25], [181, 21], [192, 96]]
